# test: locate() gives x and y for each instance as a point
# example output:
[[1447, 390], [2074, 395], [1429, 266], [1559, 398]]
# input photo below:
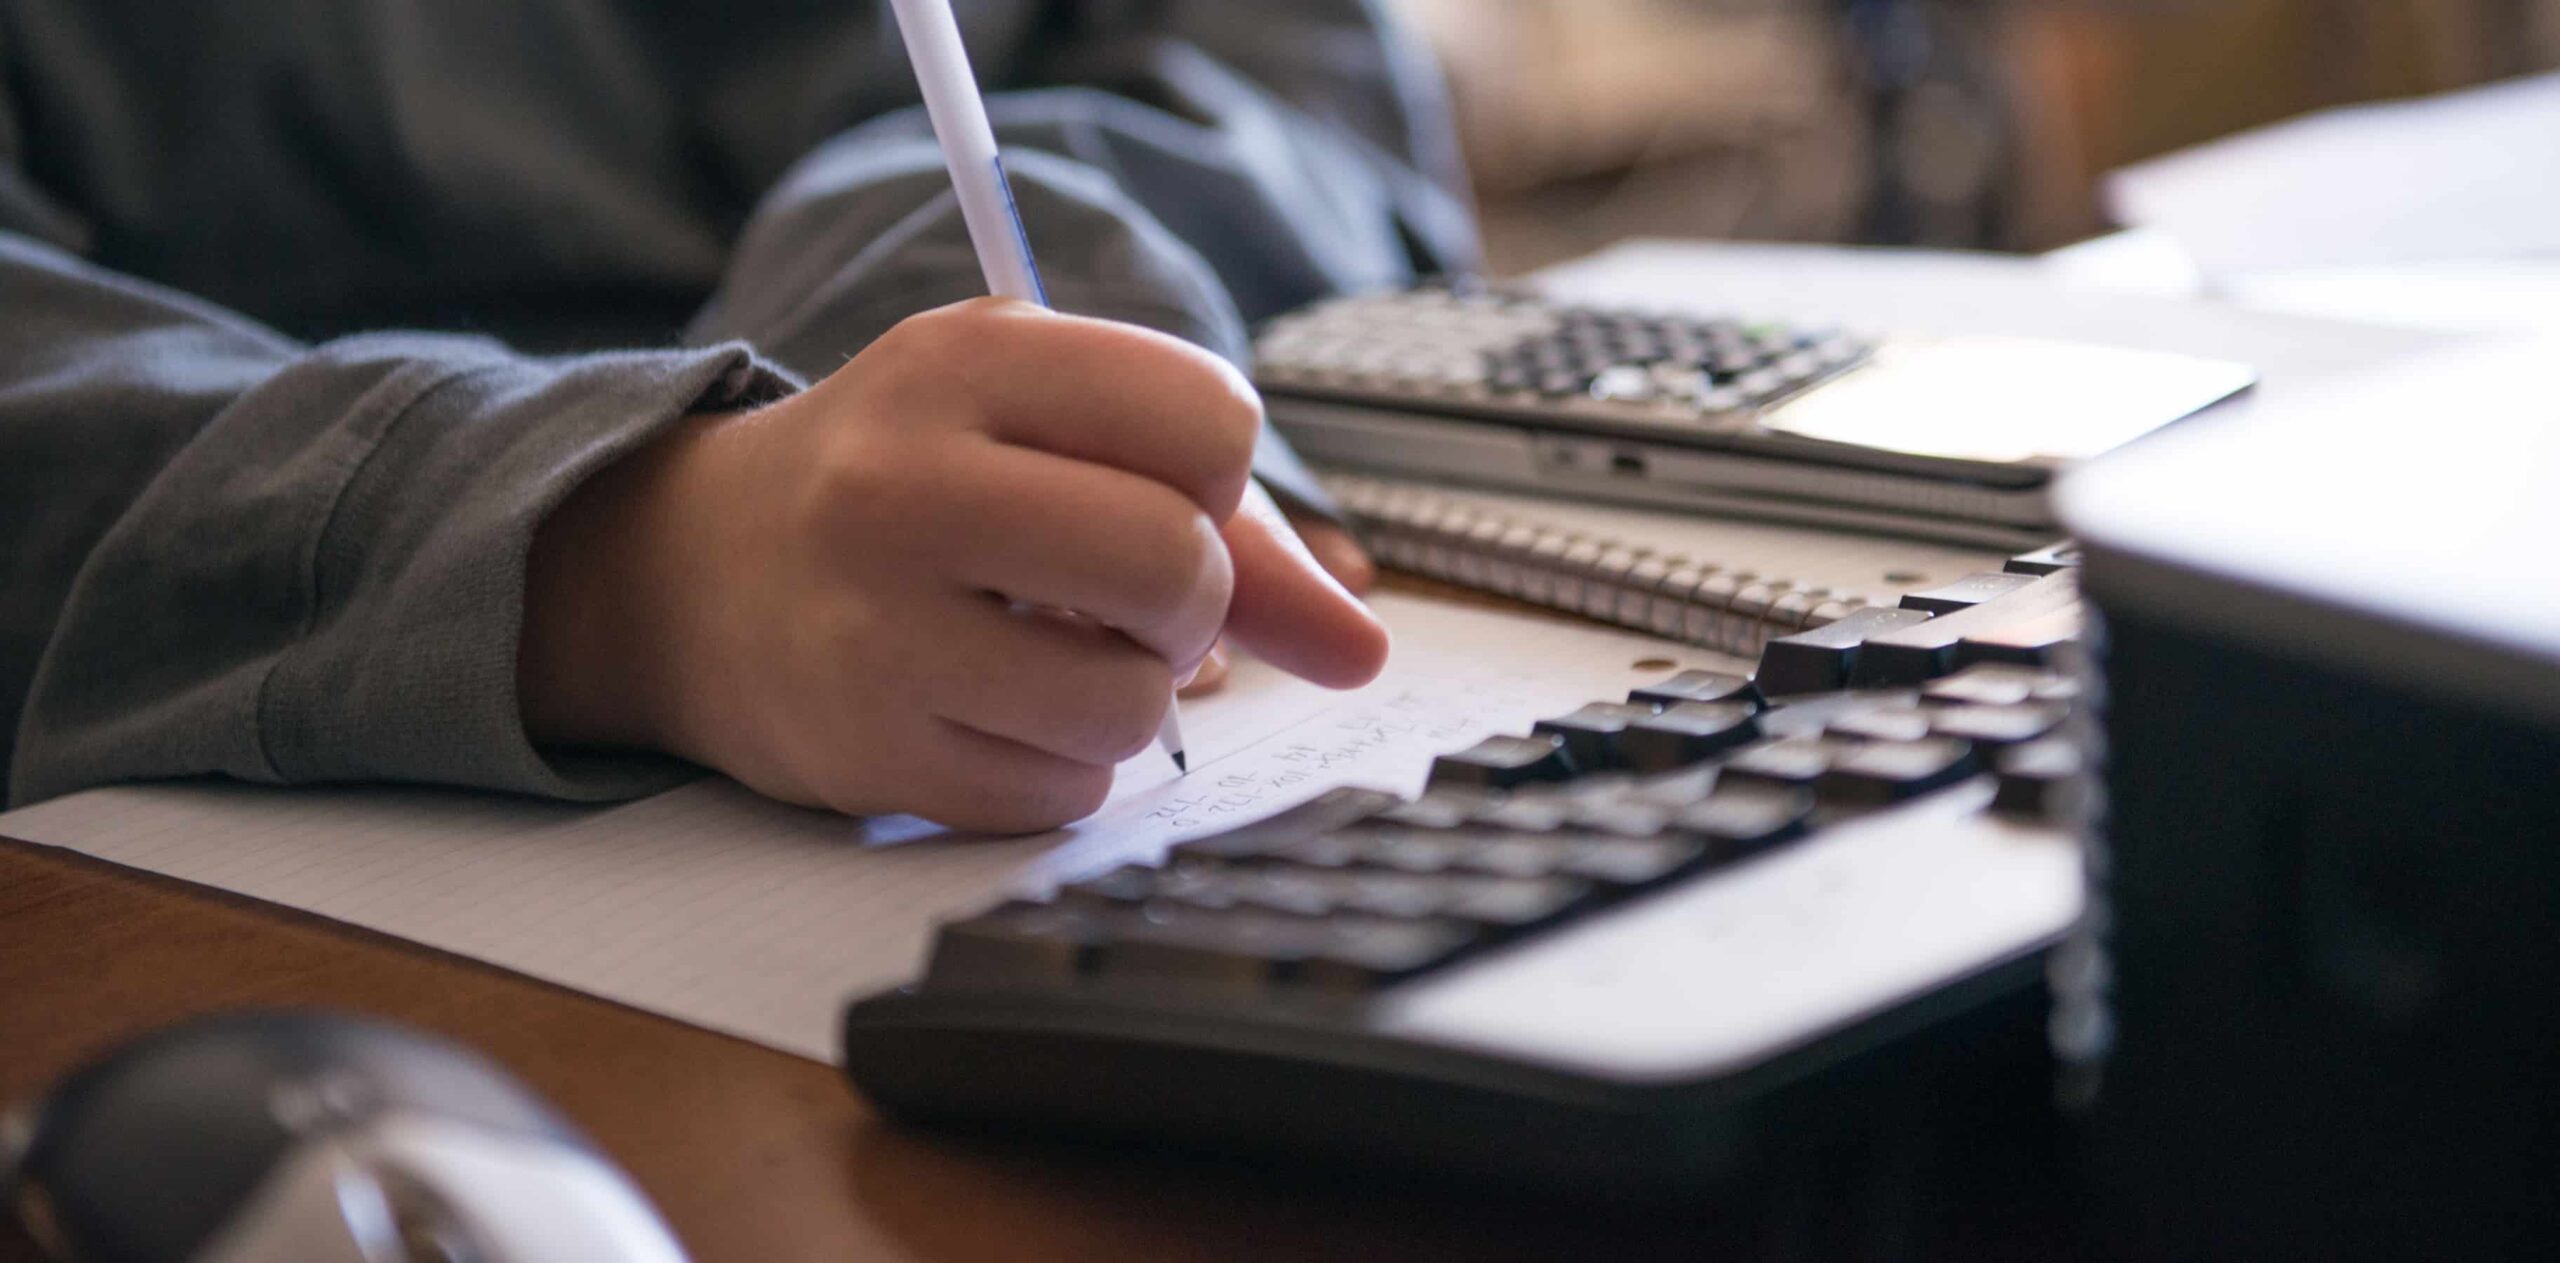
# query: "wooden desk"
[[752, 1154]]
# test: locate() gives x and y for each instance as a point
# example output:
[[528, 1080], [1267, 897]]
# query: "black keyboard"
[[1636, 944]]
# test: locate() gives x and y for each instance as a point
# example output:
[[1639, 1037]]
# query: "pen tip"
[[1181, 764]]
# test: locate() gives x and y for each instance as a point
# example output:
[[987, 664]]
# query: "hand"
[[855, 598], [1260, 529]]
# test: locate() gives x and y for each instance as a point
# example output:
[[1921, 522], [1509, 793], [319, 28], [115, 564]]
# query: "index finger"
[[1101, 391]]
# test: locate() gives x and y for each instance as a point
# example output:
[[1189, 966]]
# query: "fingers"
[[1289, 611], [1339, 554], [1066, 687], [1091, 390], [973, 781], [1115, 547]]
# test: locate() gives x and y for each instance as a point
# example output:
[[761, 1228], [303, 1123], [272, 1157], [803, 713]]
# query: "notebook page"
[[713, 906]]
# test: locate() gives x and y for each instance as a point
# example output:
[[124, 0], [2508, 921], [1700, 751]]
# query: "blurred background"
[[1963, 123]]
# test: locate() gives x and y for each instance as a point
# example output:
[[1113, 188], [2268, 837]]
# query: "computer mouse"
[[304, 1137]]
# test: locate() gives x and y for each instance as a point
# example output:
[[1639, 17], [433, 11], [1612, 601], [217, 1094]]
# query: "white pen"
[[960, 126]]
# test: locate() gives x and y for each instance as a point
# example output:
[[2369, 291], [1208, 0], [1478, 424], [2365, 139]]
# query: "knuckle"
[[1213, 410], [1235, 415], [1223, 413], [1076, 790], [1124, 717], [1056, 792], [925, 347], [1181, 554]]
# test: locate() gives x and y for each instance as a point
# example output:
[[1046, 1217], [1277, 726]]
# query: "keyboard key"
[[1793, 764], [2034, 776], [1912, 654], [1512, 903], [1590, 735], [1565, 383], [1356, 957], [1208, 885], [1881, 723], [1990, 684], [1696, 686], [1130, 885], [1994, 726], [1331, 850], [1401, 896], [1407, 850], [1628, 382], [2044, 561], [1529, 811], [1632, 861], [1442, 809], [1623, 816], [1238, 951], [1672, 790], [1820, 661], [1593, 786], [1502, 762], [1283, 889], [1742, 821], [1304, 891], [2037, 642], [1514, 855], [1686, 733], [1965, 593], [1887, 773], [1014, 945]]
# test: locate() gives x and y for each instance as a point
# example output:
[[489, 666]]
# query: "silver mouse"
[[295, 1137]]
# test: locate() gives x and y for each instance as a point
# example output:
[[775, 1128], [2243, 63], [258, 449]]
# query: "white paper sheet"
[[714, 906]]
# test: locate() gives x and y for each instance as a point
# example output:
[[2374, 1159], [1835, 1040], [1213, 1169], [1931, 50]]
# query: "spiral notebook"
[[1725, 585]]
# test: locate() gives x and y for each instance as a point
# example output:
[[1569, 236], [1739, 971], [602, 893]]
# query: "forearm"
[[313, 567]]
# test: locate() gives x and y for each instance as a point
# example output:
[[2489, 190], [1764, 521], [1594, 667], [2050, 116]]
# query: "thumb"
[[1289, 611]]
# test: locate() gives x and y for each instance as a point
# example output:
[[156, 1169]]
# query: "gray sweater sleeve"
[[1188, 165], [231, 553]]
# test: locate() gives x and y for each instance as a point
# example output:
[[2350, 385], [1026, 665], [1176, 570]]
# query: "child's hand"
[[852, 598], [1258, 531]]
